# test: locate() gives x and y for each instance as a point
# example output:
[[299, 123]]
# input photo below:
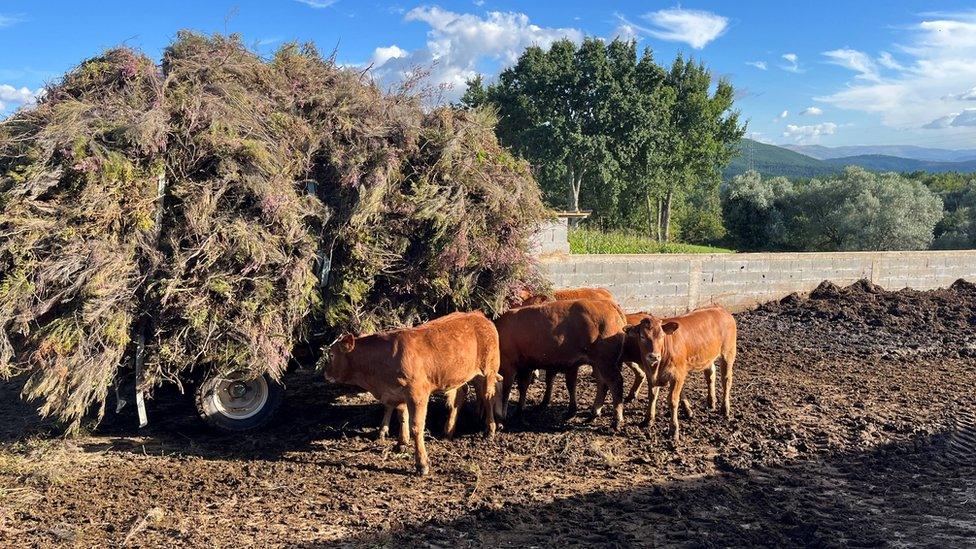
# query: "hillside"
[[885, 163], [771, 161], [821, 152]]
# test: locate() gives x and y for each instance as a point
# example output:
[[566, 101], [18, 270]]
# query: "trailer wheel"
[[238, 405]]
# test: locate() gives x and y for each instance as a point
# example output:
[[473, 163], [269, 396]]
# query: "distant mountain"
[[884, 163], [902, 151], [772, 161]]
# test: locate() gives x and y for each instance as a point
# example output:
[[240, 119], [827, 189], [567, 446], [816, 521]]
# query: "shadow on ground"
[[909, 493]]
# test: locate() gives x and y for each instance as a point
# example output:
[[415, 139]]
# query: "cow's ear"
[[670, 327], [646, 323], [347, 343]]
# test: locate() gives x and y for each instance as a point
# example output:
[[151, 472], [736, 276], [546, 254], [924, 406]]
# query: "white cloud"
[[794, 63], [888, 61], [693, 27], [941, 122], [964, 96], [783, 115], [811, 111], [457, 43], [761, 65], [964, 119], [925, 87], [382, 55], [318, 4], [7, 20], [625, 31], [809, 134], [11, 97], [856, 61]]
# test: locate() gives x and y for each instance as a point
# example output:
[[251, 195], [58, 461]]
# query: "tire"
[[255, 406]]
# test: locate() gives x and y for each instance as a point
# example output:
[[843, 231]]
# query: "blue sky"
[[832, 73]]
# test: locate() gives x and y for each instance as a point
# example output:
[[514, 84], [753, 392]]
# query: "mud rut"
[[854, 426]]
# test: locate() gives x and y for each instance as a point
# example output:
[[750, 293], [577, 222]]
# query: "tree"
[[754, 211], [554, 109], [858, 210], [615, 131], [703, 132], [475, 95]]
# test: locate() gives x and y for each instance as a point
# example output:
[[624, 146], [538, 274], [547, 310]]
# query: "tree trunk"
[[650, 216], [667, 215], [657, 222], [575, 181]]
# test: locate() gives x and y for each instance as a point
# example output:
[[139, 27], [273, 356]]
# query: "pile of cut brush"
[[220, 207]]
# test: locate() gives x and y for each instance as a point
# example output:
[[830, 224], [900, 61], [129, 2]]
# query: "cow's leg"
[[504, 394], [550, 382], [404, 439], [483, 390], [616, 383], [601, 397], [651, 412], [455, 398], [417, 407], [639, 379], [522, 379], [710, 382], [676, 385], [726, 365], [572, 375], [385, 427]]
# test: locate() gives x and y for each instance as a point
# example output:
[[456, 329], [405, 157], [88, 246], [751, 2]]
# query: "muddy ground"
[[853, 425]]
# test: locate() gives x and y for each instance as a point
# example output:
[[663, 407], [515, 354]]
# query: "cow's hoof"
[[615, 426], [423, 470], [628, 400]]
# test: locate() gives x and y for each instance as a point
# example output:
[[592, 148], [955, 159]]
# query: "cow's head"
[[339, 367], [650, 334]]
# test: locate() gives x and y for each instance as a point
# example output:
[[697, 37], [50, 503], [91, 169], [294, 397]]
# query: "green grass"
[[590, 241]]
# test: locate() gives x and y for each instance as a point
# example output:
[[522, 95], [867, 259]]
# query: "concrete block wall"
[[671, 284], [552, 238]]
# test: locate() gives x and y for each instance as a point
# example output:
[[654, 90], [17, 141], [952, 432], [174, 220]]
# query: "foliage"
[[595, 241], [610, 130], [271, 168], [859, 210], [957, 229]]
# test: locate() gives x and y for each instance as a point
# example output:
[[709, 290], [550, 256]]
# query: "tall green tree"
[[703, 131], [616, 132], [555, 107]]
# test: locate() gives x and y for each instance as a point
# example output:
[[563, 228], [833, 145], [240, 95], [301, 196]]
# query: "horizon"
[[883, 75]]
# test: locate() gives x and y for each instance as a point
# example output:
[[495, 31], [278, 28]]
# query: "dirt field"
[[854, 425]]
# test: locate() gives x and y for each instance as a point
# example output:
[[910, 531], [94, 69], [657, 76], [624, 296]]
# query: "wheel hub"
[[238, 399]]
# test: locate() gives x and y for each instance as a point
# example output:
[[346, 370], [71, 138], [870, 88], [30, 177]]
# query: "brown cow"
[[562, 336], [632, 359], [401, 368], [567, 295], [670, 348], [633, 363]]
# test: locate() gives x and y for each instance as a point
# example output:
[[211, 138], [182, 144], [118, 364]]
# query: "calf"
[[401, 368], [561, 336], [670, 348]]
